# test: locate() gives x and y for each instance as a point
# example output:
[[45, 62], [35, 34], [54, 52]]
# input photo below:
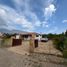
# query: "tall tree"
[[66, 33]]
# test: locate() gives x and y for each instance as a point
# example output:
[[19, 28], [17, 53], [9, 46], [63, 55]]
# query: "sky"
[[42, 16]]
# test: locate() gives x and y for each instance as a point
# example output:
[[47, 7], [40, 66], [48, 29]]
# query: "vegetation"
[[60, 42], [7, 35], [6, 40]]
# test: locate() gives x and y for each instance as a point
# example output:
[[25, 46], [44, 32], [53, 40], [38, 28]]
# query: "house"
[[26, 36], [1, 35], [18, 38], [38, 37]]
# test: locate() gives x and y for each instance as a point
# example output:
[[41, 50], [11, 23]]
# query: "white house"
[[38, 37]]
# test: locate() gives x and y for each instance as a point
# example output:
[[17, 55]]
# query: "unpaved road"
[[47, 47], [10, 59], [43, 47]]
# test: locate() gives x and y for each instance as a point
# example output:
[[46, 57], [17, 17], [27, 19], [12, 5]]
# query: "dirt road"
[[10, 59]]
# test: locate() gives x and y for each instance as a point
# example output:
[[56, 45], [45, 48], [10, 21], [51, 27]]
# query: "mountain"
[[5, 31], [11, 31], [18, 31]]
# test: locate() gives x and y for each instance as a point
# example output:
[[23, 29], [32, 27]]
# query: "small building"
[[1, 35], [38, 37], [25, 36], [18, 38]]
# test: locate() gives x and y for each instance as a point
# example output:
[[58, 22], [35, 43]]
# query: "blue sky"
[[42, 16]]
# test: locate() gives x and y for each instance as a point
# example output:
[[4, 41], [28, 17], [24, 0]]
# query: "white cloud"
[[37, 24], [47, 25], [64, 21], [49, 10], [22, 4], [27, 11], [25, 24], [12, 18], [2, 11]]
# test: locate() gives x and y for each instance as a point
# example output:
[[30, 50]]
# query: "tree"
[[66, 33]]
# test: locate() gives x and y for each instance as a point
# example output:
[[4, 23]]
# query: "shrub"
[[65, 43], [65, 48], [59, 43], [65, 53]]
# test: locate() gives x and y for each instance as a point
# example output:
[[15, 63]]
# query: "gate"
[[36, 43], [16, 42]]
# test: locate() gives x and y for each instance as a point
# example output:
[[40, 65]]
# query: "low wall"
[[5, 42]]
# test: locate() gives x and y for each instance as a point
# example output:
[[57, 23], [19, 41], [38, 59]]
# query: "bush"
[[65, 53], [59, 43], [65, 43], [65, 48]]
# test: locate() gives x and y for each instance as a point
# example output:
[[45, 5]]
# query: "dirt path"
[[43, 47], [22, 49], [47, 47], [11, 59]]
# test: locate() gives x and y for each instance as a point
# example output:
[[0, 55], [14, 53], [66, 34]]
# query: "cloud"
[[49, 1], [2, 11], [21, 5], [23, 21], [49, 11], [27, 12], [45, 24], [64, 21], [23, 16], [10, 17], [38, 24], [53, 30]]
